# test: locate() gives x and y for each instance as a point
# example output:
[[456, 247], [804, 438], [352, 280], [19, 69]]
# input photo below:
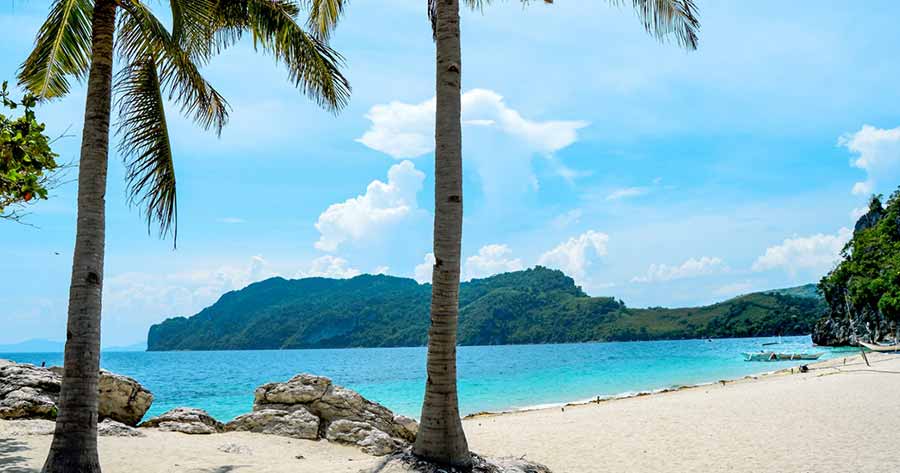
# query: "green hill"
[[537, 305]]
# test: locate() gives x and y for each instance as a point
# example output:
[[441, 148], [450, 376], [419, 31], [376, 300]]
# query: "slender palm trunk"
[[441, 438], [74, 447]]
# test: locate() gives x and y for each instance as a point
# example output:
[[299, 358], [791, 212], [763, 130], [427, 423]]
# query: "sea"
[[491, 378]]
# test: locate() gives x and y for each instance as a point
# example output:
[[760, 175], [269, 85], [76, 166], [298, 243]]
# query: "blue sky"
[[648, 173]]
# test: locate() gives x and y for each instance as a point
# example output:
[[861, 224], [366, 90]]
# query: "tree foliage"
[[863, 291], [27, 161], [538, 305]]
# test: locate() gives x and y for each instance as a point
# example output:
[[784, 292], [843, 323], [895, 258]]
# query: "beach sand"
[[836, 418]]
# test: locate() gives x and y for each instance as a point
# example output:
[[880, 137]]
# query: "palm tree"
[[441, 438], [77, 40]]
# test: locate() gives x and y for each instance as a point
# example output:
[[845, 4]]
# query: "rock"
[[406, 462], [28, 392], [370, 439], [122, 398], [111, 428], [31, 392], [343, 415], [186, 420], [297, 423]]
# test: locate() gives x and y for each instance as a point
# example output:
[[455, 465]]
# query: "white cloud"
[[817, 252], [571, 217], [878, 153], [363, 216], [381, 270], [231, 220], [627, 192], [329, 266], [858, 212], [422, 272], [404, 130], [691, 268], [577, 254], [490, 260]]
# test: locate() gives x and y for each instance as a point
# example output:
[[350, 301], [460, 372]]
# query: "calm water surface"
[[490, 378]]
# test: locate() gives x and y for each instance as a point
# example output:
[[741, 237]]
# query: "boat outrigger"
[[881, 348], [773, 356]]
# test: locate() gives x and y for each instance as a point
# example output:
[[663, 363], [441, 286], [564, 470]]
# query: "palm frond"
[[142, 35], [324, 15], [62, 49], [312, 65], [193, 27], [144, 145]]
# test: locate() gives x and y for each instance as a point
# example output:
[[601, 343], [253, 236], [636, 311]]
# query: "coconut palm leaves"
[[312, 65], [160, 66], [62, 49]]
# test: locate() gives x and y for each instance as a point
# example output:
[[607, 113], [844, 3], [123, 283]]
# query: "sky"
[[658, 176]]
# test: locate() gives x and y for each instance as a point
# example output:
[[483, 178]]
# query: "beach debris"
[[405, 462], [30, 392], [312, 407], [187, 420], [235, 448], [111, 428]]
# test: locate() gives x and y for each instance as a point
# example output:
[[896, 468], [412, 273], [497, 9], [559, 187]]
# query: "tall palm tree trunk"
[[441, 438], [74, 447]]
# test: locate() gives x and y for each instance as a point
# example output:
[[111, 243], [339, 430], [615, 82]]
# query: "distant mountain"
[[51, 346], [537, 305], [34, 346]]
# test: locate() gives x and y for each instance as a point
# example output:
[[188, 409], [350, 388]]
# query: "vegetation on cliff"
[[537, 305], [863, 291]]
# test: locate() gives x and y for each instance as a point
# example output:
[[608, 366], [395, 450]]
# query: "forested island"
[[538, 305]]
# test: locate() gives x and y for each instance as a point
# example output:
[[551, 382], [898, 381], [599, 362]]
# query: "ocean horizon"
[[491, 378]]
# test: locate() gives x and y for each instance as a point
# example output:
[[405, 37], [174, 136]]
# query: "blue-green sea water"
[[491, 378]]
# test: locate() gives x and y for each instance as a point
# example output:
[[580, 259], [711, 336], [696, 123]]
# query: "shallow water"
[[491, 378]]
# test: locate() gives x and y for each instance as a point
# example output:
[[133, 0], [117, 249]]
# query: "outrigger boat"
[[773, 356], [881, 348]]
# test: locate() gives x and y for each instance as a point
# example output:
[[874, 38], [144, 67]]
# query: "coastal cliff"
[[537, 305]]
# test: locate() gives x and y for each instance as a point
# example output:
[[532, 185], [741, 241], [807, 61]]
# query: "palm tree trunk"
[[441, 438], [74, 447]]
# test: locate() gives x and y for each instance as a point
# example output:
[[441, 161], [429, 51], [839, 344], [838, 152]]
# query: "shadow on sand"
[[10, 461]]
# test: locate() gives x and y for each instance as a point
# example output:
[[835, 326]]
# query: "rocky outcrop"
[[31, 392], [111, 428], [299, 423], [186, 420], [312, 407], [406, 462]]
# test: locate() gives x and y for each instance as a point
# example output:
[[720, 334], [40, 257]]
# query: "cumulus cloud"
[[490, 260], [878, 153], [577, 254], [329, 266], [499, 141], [693, 267], [817, 252], [383, 204], [422, 272], [404, 130]]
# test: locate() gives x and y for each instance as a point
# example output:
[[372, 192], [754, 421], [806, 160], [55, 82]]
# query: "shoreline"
[[774, 421]]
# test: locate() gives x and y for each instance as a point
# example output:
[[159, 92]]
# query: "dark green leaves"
[[26, 160]]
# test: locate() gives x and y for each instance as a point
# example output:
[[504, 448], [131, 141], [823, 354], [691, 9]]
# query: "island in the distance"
[[538, 305]]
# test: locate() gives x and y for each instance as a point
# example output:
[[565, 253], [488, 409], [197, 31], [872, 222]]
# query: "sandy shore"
[[838, 417]]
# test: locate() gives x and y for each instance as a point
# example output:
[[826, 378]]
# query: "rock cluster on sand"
[[31, 392], [406, 462], [312, 407], [186, 420]]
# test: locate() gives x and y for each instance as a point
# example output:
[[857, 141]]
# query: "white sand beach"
[[838, 417]]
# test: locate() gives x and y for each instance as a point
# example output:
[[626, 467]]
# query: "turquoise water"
[[490, 378]]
